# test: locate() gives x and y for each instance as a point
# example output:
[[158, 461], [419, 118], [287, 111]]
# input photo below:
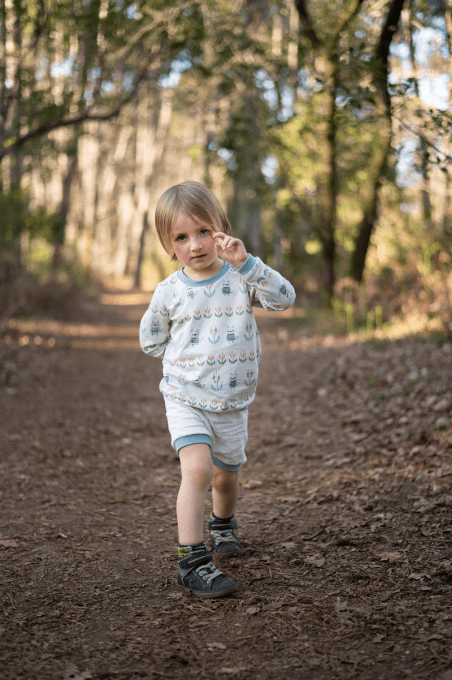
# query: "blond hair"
[[193, 200]]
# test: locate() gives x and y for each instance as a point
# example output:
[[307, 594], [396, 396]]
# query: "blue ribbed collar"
[[204, 282]]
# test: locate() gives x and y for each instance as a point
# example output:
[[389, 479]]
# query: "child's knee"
[[196, 464], [224, 481]]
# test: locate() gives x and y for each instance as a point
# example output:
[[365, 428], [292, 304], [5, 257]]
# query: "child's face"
[[195, 248]]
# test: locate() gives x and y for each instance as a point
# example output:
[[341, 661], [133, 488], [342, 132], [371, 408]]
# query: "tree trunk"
[[145, 228], [59, 226], [326, 52], [292, 50], [328, 233], [380, 160], [447, 221], [2, 69], [366, 227], [426, 203]]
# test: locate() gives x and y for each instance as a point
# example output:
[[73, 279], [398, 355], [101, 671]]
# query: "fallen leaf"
[[379, 638], [72, 673], [417, 577], [289, 546], [7, 543], [232, 671], [390, 556], [252, 610], [216, 645], [340, 605], [272, 605], [251, 484], [364, 611], [315, 560]]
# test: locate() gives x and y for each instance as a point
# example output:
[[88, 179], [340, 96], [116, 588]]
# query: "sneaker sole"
[[220, 593]]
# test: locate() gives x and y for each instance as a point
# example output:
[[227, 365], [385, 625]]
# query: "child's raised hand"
[[230, 249]]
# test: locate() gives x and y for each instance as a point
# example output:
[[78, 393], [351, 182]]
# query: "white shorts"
[[226, 433]]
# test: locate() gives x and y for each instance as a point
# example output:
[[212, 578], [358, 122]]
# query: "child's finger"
[[223, 240], [229, 242], [219, 239]]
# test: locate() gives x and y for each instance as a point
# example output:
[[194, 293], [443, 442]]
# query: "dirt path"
[[345, 511]]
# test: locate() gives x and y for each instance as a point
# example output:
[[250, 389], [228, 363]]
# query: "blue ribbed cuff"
[[204, 439], [224, 466], [192, 439], [249, 264]]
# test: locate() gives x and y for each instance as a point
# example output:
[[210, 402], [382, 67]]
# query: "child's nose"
[[195, 243]]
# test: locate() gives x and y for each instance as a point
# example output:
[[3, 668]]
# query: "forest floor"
[[345, 510]]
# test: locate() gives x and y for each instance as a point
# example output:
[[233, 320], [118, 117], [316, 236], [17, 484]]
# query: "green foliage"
[[85, 59], [16, 218]]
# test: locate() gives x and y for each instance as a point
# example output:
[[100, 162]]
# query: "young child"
[[200, 321]]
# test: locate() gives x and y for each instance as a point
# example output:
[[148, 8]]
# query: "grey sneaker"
[[199, 576], [224, 540]]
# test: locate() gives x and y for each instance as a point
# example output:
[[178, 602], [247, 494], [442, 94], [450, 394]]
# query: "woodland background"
[[324, 128]]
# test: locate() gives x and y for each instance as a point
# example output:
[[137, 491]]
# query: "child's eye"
[[204, 232], [181, 237]]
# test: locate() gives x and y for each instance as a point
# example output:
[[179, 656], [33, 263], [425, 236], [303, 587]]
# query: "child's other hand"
[[230, 249]]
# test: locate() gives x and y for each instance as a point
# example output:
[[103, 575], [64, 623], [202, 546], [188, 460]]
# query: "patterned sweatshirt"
[[207, 334]]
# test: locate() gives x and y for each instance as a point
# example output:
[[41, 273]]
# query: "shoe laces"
[[224, 536], [208, 572]]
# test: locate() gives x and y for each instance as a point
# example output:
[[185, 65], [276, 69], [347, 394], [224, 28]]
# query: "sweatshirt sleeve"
[[269, 289], [155, 325]]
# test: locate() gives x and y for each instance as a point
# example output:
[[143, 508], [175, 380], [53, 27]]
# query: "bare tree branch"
[[77, 120]]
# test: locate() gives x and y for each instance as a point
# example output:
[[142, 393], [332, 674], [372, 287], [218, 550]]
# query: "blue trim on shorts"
[[192, 439], [205, 439], [224, 466]]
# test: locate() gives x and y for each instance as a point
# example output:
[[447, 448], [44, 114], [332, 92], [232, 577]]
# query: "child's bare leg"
[[196, 573], [196, 469], [225, 492]]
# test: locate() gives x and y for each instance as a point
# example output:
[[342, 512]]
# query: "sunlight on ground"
[[48, 332], [311, 329], [122, 299], [413, 324], [76, 336]]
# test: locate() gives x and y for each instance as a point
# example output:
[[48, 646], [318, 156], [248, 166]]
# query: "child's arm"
[[155, 326], [270, 290]]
